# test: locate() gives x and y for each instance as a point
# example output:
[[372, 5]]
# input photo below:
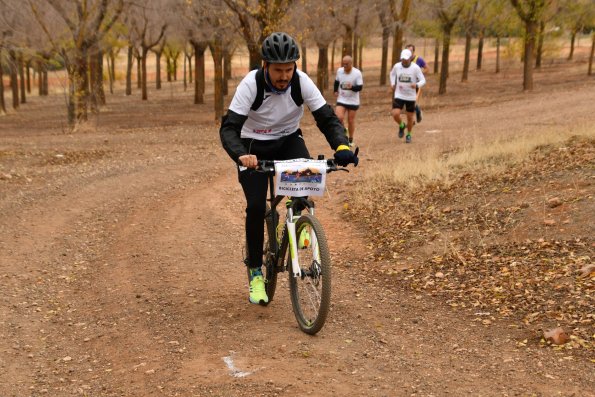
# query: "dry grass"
[[416, 170]]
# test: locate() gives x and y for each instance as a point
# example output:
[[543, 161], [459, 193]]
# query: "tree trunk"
[[480, 50], [112, 56], [168, 67], [28, 73], [110, 71], [530, 31], [14, 83], [436, 55], [139, 71], [217, 53], [498, 54], [384, 61], [466, 61], [397, 43], [347, 42], [184, 69], [590, 70], [190, 69], [255, 56], [158, 70], [81, 80], [227, 55], [46, 89], [145, 51], [39, 78], [21, 66], [322, 69], [361, 55], [71, 106], [99, 81], [199, 72], [572, 39], [332, 65], [175, 67], [2, 103], [304, 57], [445, 55], [355, 51], [540, 38], [129, 62], [94, 94]]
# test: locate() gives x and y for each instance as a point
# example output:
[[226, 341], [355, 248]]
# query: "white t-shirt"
[[403, 78], [354, 77], [278, 116]]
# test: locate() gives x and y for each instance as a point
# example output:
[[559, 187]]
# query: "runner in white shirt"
[[405, 77], [263, 122], [348, 83]]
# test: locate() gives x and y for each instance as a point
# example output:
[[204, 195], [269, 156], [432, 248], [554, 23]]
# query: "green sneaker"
[[258, 294], [401, 130], [304, 240]]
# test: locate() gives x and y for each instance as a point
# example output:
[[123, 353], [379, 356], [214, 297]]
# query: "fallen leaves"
[[464, 227]]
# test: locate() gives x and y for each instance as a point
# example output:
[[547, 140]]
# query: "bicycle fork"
[[293, 242]]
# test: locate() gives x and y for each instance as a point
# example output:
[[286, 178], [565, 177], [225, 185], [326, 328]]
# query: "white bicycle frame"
[[293, 249]]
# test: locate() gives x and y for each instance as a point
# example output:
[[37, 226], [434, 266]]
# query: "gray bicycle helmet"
[[280, 47]]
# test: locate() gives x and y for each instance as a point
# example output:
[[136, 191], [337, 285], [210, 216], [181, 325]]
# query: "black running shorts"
[[399, 103]]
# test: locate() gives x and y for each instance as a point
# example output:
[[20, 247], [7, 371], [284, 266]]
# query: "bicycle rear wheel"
[[270, 245], [311, 293]]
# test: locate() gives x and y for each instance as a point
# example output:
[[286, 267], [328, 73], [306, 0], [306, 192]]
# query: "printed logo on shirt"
[[266, 131]]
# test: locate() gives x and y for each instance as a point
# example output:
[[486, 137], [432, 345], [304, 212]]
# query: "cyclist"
[[424, 68], [405, 77], [263, 122], [348, 84]]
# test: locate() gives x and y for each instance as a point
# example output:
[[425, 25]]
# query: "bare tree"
[[447, 12], [84, 23], [257, 19], [400, 16], [468, 27], [322, 35], [590, 70], [148, 29], [576, 15], [197, 32], [386, 22], [530, 12], [2, 103]]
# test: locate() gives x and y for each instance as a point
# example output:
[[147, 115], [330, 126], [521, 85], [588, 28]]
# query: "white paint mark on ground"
[[236, 373], [433, 131]]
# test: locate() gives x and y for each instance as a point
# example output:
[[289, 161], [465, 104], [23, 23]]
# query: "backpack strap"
[[296, 89], [260, 84]]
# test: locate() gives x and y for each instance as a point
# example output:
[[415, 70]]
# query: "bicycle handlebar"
[[268, 166]]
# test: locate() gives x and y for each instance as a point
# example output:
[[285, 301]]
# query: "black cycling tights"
[[255, 185]]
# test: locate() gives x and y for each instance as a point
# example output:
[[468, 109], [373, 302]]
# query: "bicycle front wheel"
[[311, 292]]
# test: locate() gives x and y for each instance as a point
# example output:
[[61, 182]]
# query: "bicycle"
[[298, 246]]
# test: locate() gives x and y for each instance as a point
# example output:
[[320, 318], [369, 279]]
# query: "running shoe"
[[418, 113], [408, 138], [258, 294], [401, 130]]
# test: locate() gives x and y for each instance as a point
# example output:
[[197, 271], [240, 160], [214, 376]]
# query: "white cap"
[[406, 54]]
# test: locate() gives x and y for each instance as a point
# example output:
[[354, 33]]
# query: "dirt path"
[[120, 260]]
